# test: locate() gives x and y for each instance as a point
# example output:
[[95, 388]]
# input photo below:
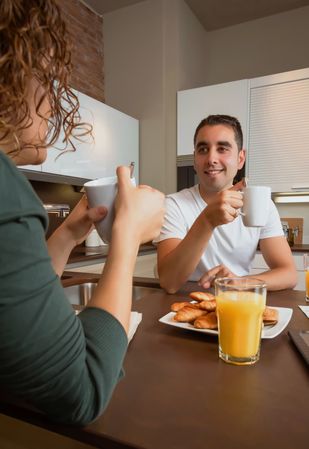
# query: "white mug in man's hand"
[[102, 192], [256, 205]]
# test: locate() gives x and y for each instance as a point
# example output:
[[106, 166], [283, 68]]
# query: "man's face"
[[216, 157]]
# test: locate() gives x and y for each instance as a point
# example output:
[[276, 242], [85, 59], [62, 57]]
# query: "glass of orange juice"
[[240, 306], [306, 268]]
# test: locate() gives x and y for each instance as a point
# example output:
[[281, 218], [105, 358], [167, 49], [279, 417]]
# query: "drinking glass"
[[306, 268], [240, 306]]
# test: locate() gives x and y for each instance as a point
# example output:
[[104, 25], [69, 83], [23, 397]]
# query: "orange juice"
[[240, 323], [307, 285]]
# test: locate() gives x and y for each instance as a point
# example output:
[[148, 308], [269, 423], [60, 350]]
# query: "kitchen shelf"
[[290, 197]]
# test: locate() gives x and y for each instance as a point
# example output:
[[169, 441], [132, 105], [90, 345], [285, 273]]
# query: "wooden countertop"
[[177, 393], [303, 248]]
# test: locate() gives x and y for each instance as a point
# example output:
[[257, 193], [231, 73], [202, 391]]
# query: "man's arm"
[[278, 256], [177, 259]]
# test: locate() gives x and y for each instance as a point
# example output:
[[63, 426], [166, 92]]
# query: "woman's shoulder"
[[17, 197]]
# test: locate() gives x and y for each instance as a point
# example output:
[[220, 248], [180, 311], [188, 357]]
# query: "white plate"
[[285, 315]]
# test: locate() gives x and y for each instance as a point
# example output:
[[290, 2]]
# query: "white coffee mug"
[[93, 239], [256, 205], [102, 192]]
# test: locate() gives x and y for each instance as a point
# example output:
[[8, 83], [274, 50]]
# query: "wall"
[[133, 40], [146, 62], [86, 29], [260, 47]]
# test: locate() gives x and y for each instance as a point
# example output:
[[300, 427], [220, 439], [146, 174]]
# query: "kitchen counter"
[[177, 393], [85, 254]]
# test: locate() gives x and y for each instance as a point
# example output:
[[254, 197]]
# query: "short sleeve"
[[273, 227], [174, 226]]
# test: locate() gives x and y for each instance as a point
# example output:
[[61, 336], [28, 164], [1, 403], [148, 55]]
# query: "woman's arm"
[[139, 217]]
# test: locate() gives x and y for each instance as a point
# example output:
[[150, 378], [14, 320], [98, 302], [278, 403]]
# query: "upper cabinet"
[[279, 131], [195, 104], [115, 142], [274, 114]]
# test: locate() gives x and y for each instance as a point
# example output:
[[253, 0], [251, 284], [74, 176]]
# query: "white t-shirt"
[[232, 244]]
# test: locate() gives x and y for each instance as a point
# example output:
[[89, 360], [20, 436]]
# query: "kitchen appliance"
[[56, 215], [293, 230]]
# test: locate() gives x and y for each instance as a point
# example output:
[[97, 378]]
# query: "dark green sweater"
[[66, 366]]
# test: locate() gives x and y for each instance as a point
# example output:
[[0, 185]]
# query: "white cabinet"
[[31, 167], [279, 131], [259, 265], [115, 142], [195, 104]]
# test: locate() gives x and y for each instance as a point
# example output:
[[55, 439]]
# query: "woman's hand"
[[79, 223], [139, 210], [72, 232]]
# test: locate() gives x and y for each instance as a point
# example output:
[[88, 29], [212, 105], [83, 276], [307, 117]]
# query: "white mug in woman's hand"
[[256, 205], [102, 192]]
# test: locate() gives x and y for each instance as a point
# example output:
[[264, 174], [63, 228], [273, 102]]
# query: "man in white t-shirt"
[[203, 235]]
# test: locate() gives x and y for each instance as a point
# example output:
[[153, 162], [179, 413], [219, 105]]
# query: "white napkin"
[[135, 319], [305, 309]]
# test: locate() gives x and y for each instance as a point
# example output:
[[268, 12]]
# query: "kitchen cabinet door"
[[279, 131], [31, 167], [115, 142]]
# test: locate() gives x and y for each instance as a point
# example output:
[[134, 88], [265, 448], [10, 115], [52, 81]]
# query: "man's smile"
[[213, 171]]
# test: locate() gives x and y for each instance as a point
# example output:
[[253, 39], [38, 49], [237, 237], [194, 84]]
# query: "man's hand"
[[207, 280], [224, 207]]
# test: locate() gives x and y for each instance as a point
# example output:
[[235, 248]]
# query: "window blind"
[[278, 153]]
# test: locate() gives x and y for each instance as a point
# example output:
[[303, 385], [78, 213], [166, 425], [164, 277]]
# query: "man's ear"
[[241, 158], [194, 161]]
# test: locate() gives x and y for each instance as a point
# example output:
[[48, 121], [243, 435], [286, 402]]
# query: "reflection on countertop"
[[300, 248]]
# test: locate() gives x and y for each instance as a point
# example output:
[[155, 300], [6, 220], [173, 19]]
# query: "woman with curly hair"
[[66, 366]]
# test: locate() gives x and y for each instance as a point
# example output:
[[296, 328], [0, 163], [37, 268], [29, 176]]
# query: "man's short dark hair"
[[226, 120]]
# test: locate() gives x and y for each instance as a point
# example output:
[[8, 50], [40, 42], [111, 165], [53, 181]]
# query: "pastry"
[[208, 321], [188, 314], [202, 296], [179, 305], [209, 306], [270, 316]]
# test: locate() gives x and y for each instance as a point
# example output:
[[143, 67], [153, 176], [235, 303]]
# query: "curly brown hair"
[[34, 44]]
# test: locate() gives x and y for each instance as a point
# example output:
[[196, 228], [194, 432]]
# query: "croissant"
[[208, 321], [209, 306], [202, 296], [176, 306], [270, 316], [188, 314]]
